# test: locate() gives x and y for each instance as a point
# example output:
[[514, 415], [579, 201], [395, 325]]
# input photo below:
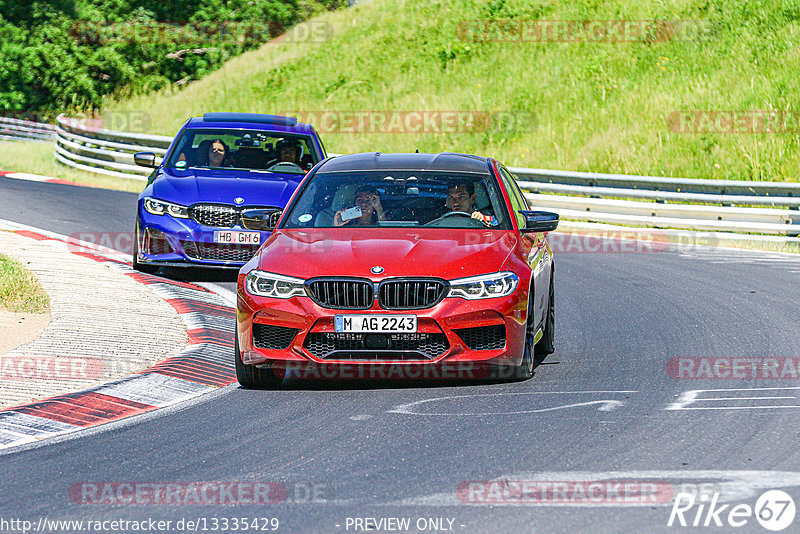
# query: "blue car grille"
[[219, 251], [220, 216], [214, 215]]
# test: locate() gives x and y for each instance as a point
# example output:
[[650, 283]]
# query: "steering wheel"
[[455, 214], [284, 166]]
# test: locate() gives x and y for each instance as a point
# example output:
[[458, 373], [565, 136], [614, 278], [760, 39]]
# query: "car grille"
[[483, 337], [410, 294], [343, 294], [214, 215], [398, 347], [219, 216], [267, 336], [219, 251]]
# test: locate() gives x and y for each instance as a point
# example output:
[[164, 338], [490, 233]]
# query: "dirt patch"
[[19, 328]]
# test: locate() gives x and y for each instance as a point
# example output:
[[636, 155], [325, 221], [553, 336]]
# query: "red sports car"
[[412, 260]]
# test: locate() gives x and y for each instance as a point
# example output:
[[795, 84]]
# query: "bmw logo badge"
[[376, 270], [238, 200]]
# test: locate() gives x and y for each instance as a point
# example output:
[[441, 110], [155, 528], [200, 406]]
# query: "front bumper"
[[299, 329], [166, 241]]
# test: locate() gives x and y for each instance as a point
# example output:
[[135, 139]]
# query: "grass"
[[19, 289], [37, 158], [603, 107]]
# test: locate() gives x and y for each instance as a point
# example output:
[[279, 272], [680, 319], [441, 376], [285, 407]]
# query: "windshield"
[[399, 199], [253, 150]]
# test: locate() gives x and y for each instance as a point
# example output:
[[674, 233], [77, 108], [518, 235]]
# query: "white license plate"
[[239, 238], [382, 324]]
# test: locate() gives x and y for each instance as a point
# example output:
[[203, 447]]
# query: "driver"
[[288, 150], [461, 197]]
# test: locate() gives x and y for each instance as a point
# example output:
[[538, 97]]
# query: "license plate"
[[382, 324], [239, 238]]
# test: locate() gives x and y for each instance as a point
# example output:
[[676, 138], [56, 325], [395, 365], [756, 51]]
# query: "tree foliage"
[[58, 55]]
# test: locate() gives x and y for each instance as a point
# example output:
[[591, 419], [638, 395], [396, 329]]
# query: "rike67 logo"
[[774, 510]]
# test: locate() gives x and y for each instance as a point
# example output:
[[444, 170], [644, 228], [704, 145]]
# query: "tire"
[[524, 370], [250, 376], [148, 269], [546, 345]]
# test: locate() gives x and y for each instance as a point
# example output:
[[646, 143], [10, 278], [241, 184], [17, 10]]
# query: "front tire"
[[524, 370], [250, 376]]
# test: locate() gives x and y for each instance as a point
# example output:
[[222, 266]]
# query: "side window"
[[517, 191], [509, 184]]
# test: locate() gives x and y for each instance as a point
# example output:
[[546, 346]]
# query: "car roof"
[[445, 161], [250, 121]]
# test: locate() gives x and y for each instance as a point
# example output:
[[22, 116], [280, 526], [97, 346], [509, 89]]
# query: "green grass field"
[[19, 289], [37, 158], [590, 106]]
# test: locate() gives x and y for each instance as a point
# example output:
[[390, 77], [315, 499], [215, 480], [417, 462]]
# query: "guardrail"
[[102, 151], [771, 209], [21, 130], [659, 183]]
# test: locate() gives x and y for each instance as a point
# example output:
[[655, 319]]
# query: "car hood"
[[187, 188], [445, 253]]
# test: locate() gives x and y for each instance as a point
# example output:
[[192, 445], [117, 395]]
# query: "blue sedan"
[[218, 167]]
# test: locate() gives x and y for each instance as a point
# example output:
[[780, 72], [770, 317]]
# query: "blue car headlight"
[[161, 207], [264, 284], [485, 286]]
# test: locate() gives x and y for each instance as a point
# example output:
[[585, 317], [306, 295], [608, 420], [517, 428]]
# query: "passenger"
[[369, 200], [461, 197], [218, 154]]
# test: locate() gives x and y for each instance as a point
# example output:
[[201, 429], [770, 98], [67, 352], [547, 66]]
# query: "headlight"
[[485, 286], [160, 207], [265, 284]]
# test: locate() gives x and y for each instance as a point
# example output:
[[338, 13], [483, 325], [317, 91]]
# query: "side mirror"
[[539, 221], [145, 159], [264, 220]]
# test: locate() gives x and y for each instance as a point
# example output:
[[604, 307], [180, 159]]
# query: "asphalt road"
[[603, 407]]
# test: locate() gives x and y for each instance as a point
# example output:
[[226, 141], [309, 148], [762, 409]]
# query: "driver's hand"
[[481, 217]]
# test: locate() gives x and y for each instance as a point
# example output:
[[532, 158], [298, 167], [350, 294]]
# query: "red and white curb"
[[39, 178], [204, 366]]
